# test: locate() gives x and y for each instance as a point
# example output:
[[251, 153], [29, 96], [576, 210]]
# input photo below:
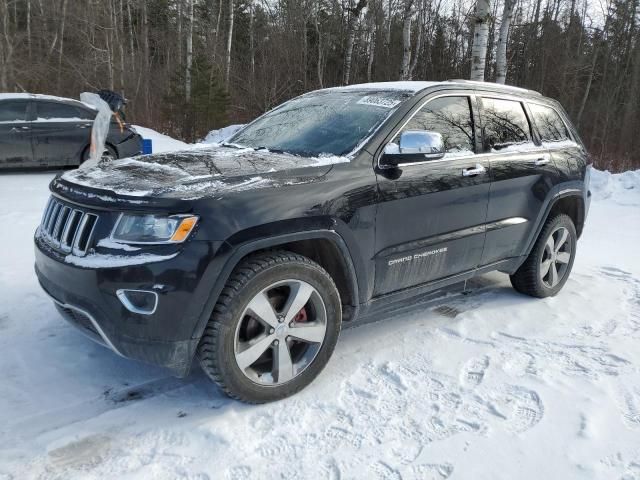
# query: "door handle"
[[542, 160], [472, 172], [83, 126], [19, 129]]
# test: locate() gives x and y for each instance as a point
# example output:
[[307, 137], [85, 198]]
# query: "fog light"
[[138, 301]]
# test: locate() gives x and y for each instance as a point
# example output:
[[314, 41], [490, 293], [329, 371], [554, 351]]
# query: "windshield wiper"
[[270, 150], [232, 145]]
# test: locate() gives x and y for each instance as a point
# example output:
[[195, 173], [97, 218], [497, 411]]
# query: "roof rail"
[[496, 85]]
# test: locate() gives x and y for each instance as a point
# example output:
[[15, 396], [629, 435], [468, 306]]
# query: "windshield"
[[324, 122]]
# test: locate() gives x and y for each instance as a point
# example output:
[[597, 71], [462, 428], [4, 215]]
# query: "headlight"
[[133, 228]]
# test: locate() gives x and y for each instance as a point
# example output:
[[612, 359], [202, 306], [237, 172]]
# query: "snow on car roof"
[[417, 86], [406, 86], [39, 96]]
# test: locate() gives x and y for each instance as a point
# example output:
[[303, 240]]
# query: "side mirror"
[[415, 146]]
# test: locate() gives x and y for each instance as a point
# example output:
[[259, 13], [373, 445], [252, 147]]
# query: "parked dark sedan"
[[46, 131]]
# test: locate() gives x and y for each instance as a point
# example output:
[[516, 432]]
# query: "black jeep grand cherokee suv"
[[333, 208]]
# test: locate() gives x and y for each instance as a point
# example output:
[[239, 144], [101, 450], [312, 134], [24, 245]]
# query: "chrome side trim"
[[450, 236], [122, 296], [93, 321], [507, 222]]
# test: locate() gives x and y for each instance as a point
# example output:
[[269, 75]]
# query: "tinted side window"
[[451, 118], [505, 123], [549, 123], [56, 111], [13, 111]]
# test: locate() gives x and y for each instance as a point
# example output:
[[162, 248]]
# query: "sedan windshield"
[[327, 122]]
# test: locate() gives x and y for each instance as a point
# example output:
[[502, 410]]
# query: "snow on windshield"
[[333, 122]]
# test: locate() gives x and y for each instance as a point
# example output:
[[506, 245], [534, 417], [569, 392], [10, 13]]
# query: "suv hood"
[[197, 173]]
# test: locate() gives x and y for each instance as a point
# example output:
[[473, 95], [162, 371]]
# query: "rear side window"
[[550, 125], [451, 118], [51, 111], [13, 111], [505, 124]]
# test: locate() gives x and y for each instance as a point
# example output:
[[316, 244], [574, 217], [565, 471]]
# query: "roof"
[[38, 96], [406, 86], [417, 86]]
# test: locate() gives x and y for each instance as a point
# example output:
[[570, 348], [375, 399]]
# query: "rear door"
[[15, 134], [430, 219], [61, 132], [522, 173]]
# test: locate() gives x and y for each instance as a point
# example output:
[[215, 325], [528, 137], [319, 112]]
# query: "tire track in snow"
[[28, 428]]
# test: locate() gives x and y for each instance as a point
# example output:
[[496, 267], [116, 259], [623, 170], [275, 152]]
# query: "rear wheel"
[[108, 155], [547, 268], [273, 329]]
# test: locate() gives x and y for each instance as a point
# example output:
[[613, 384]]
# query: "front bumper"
[[86, 297]]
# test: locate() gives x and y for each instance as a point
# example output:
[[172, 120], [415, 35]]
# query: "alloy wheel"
[[555, 257], [280, 332]]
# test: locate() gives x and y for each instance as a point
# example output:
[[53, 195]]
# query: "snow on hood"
[[198, 172]]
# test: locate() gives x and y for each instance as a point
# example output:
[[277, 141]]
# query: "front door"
[[60, 133], [15, 134], [431, 215]]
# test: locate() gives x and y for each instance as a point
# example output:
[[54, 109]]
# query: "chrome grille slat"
[[66, 228]]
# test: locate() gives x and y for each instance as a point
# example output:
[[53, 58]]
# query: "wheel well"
[[573, 206], [329, 256]]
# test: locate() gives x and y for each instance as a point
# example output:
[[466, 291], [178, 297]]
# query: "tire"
[[532, 278], [109, 154], [235, 334]]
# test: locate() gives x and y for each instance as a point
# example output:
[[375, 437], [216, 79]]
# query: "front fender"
[[232, 252]]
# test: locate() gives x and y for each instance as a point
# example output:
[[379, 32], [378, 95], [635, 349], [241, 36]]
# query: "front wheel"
[[547, 268], [273, 329]]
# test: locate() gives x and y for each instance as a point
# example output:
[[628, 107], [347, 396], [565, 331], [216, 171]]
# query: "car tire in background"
[[109, 154]]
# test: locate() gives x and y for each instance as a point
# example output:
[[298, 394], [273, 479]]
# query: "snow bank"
[[219, 136], [161, 142], [622, 188]]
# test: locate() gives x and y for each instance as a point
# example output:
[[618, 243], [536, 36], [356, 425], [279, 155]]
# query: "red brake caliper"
[[301, 316]]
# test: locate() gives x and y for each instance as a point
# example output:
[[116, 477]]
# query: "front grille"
[[67, 228]]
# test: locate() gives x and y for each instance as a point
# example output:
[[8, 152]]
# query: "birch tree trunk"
[[406, 41], [501, 54], [187, 73], [421, 28], [480, 38], [227, 71], [351, 36], [371, 47]]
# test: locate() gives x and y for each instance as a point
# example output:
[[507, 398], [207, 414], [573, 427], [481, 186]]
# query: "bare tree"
[[501, 54], [405, 67], [480, 40], [189, 65], [227, 63], [353, 17]]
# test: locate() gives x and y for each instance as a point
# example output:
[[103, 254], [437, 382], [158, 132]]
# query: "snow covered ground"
[[493, 385]]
